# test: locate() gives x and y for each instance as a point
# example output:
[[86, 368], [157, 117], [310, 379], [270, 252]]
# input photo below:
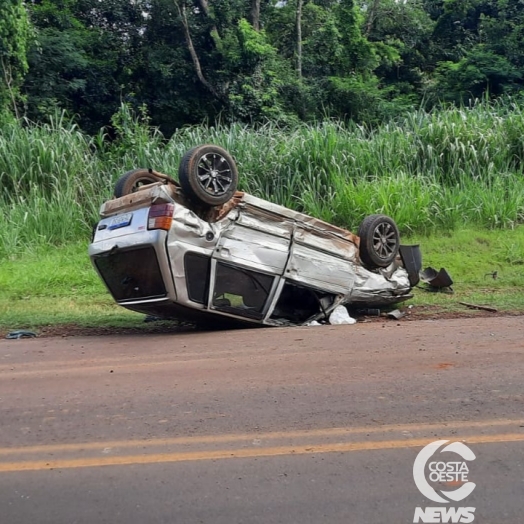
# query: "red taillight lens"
[[160, 216]]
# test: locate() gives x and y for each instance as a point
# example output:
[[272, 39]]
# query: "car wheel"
[[133, 180], [208, 174], [379, 241]]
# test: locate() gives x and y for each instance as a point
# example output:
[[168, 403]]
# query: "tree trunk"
[[372, 15], [8, 78], [255, 14], [299, 38], [192, 51], [204, 6]]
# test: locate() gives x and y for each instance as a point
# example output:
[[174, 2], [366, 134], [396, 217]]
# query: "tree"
[[352, 87], [14, 36], [82, 58], [401, 34], [300, 4], [237, 70], [480, 72], [164, 78], [483, 43], [334, 62]]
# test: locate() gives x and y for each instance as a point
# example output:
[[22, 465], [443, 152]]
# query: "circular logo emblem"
[[442, 470]]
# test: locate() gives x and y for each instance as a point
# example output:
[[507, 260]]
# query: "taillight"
[[160, 216]]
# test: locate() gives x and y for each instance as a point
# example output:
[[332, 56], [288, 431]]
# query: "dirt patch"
[[74, 330], [444, 365]]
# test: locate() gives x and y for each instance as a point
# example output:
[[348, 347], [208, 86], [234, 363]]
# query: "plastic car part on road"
[[15, 335], [208, 174]]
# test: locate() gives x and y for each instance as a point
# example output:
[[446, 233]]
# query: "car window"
[[241, 291], [132, 274], [197, 270], [299, 303]]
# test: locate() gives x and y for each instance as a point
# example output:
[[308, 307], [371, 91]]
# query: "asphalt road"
[[304, 425]]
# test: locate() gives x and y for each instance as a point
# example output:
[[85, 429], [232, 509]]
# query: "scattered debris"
[[436, 280], [412, 258], [341, 316], [21, 333], [476, 306], [314, 323], [396, 314], [369, 312]]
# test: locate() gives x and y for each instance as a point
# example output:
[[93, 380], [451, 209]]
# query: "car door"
[[322, 260]]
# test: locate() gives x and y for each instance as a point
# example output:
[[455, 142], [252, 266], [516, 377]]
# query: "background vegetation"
[[430, 171], [339, 108], [186, 61]]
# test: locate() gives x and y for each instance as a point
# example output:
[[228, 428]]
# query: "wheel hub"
[[214, 174], [384, 240]]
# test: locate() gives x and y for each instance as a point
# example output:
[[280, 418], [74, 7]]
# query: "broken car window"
[[298, 304], [132, 274], [241, 291]]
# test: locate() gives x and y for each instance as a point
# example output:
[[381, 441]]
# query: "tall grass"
[[50, 184], [436, 171]]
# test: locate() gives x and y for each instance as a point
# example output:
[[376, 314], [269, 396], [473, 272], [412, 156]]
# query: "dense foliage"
[[188, 61], [431, 172], [14, 34]]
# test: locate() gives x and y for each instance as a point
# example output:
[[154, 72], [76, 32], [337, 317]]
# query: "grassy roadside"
[[472, 258], [56, 286], [52, 286]]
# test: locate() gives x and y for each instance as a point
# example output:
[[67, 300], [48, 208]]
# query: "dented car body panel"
[[248, 261]]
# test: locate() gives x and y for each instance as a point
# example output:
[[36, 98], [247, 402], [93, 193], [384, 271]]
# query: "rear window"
[[132, 275]]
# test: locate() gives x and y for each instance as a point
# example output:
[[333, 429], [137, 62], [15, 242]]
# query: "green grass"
[[56, 286], [59, 286], [471, 257]]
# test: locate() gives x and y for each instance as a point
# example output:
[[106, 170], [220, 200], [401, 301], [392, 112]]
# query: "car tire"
[[379, 241], [133, 180], [208, 175]]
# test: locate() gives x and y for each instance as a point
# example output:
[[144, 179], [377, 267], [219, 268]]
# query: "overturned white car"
[[198, 249]]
